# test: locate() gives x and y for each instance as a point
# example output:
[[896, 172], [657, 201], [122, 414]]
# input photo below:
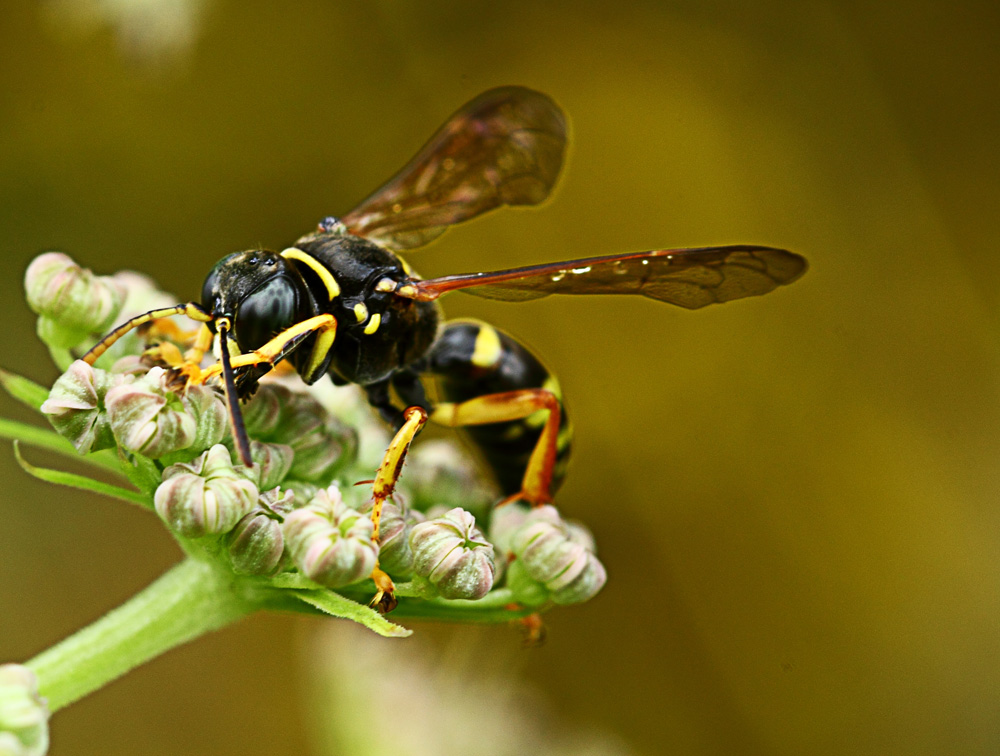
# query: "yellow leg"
[[202, 343], [536, 486], [382, 488], [280, 345]]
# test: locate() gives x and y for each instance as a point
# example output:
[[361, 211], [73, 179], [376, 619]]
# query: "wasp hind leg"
[[510, 406]]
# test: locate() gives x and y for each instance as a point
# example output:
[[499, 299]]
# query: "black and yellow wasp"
[[339, 302]]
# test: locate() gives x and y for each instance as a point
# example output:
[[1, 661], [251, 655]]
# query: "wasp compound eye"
[[265, 312]]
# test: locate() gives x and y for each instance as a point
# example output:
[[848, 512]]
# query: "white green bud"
[[322, 445], [150, 419], [76, 407], [211, 419], [554, 554], [271, 463], [24, 717], [303, 491], [134, 365], [256, 543], [452, 553], [330, 542], [71, 302], [262, 413], [205, 496], [442, 473], [395, 555]]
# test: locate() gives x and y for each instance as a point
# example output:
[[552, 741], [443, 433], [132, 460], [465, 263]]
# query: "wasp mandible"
[[340, 302]]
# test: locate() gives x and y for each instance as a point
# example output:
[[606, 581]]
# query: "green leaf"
[[80, 481], [43, 438], [337, 606], [24, 390]]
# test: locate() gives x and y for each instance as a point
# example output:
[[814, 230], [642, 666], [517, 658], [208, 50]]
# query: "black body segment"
[[472, 359], [378, 332]]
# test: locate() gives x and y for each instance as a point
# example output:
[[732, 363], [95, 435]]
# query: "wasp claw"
[[385, 598]]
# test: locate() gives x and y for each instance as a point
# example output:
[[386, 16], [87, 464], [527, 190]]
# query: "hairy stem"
[[190, 600]]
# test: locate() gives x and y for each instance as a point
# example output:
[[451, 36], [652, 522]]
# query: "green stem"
[[63, 358], [190, 600]]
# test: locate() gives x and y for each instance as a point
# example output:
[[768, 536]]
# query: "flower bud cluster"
[[550, 558], [95, 409], [24, 716], [321, 445], [71, 302], [298, 448], [150, 419]]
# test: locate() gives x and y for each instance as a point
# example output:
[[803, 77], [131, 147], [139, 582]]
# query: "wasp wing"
[[505, 147], [689, 278]]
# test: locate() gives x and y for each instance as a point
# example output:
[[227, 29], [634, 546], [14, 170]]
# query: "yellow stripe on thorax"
[[332, 287], [373, 324]]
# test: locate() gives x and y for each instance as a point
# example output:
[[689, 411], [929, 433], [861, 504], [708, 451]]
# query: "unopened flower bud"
[[130, 364], [330, 542], [441, 473], [395, 555], [262, 413], [557, 555], [23, 714], [322, 445], [303, 491], [205, 496], [152, 420], [211, 420], [257, 543], [76, 408], [71, 301], [271, 463], [452, 553]]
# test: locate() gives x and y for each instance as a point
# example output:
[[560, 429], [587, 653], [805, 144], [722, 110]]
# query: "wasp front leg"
[[324, 327]]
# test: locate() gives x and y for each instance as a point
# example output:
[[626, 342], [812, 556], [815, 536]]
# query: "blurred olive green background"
[[795, 496]]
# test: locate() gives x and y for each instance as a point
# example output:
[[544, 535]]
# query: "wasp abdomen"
[[471, 359]]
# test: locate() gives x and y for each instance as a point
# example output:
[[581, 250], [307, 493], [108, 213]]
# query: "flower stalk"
[[191, 599]]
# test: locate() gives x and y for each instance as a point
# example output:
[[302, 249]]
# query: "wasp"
[[340, 302]]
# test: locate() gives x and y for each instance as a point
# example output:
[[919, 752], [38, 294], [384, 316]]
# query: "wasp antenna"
[[236, 424], [104, 344]]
